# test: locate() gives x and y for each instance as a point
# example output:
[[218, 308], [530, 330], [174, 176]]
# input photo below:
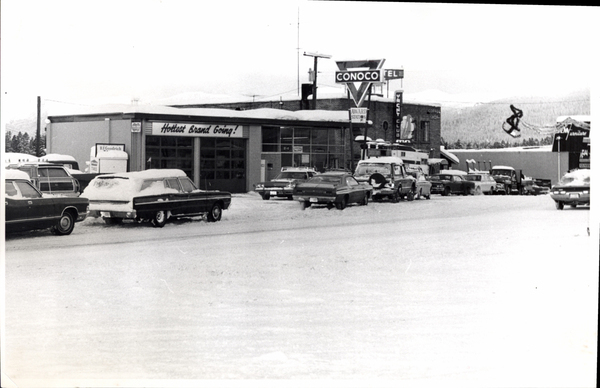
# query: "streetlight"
[[316, 56]]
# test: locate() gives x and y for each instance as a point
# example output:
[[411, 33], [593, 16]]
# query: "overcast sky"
[[93, 52]]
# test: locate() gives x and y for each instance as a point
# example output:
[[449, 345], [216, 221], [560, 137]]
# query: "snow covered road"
[[454, 291]]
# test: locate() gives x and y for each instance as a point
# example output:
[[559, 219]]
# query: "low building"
[[233, 146], [536, 162]]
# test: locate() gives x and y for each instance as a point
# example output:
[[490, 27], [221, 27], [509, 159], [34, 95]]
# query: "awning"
[[449, 156]]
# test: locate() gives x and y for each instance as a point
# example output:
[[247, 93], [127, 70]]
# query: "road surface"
[[454, 291]]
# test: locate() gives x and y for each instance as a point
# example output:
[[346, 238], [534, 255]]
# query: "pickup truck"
[[388, 177]]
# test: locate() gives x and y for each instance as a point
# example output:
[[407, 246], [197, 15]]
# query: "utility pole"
[[38, 150], [316, 56]]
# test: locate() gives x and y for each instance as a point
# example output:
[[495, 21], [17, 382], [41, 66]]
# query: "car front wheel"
[[411, 194], [365, 200], [559, 205], [160, 219], [215, 213], [65, 225]]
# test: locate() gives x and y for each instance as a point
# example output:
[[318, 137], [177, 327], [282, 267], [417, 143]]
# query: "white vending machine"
[[107, 158]]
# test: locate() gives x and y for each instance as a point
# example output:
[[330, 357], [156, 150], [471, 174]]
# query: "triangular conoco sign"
[[358, 95]]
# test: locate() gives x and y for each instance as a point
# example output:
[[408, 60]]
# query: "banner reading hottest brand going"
[[196, 130]]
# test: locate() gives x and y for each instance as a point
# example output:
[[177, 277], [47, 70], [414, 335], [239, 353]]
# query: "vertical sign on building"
[[397, 114]]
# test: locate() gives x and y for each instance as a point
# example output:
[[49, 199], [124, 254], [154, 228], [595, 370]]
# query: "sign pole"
[[351, 135], [364, 153]]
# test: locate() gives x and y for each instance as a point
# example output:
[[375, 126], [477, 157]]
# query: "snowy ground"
[[453, 291]]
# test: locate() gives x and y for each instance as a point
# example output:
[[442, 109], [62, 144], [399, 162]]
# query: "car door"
[[354, 191], [194, 199], [456, 184], [15, 207], [60, 181], [177, 201], [30, 208]]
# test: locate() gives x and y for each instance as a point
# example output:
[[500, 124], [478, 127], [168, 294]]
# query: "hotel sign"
[[196, 130]]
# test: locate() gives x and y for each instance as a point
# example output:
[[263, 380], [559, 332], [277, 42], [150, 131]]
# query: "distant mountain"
[[465, 117], [483, 121]]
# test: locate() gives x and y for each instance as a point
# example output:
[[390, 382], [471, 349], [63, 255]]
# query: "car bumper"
[[82, 216], [275, 192], [572, 198], [314, 199]]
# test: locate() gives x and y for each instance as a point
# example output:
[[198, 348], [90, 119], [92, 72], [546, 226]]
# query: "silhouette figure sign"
[[513, 122]]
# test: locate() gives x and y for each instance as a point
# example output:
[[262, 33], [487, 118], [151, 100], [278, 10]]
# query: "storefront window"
[[170, 152], [425, 131], [222, 164], [319, 148]]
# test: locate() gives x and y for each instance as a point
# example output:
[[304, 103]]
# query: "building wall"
[[77, 138], [379, 112], [535, 162], [253, 153]]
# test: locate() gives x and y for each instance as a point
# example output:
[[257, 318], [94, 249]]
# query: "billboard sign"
[[361, 72]]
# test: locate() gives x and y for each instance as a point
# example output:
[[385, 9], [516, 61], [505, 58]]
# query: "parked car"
[[152, 195], [423, 185], [532, 186], [388, 177], [573, 189], [484, 183], [451, 183], [49, 178], [283, 184], [26, 208], [332, 189]]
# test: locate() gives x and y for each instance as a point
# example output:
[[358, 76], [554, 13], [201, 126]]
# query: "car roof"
[[383, 159], [298, 169], [453, 172], [147, 174], [578, 174], [335, 173], [503, 168], [35, 163], [12, 174]]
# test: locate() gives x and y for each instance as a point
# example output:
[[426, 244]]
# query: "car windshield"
[[501, 172], [441, 178], [372, 168], [325, 179], [473, 177], [25, 190], [291, 175]]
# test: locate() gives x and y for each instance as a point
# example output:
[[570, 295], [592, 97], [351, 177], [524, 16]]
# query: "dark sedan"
[[447, 184], [333, 189], [152, 195], [27, 209], [283, 184], [573, 189]]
